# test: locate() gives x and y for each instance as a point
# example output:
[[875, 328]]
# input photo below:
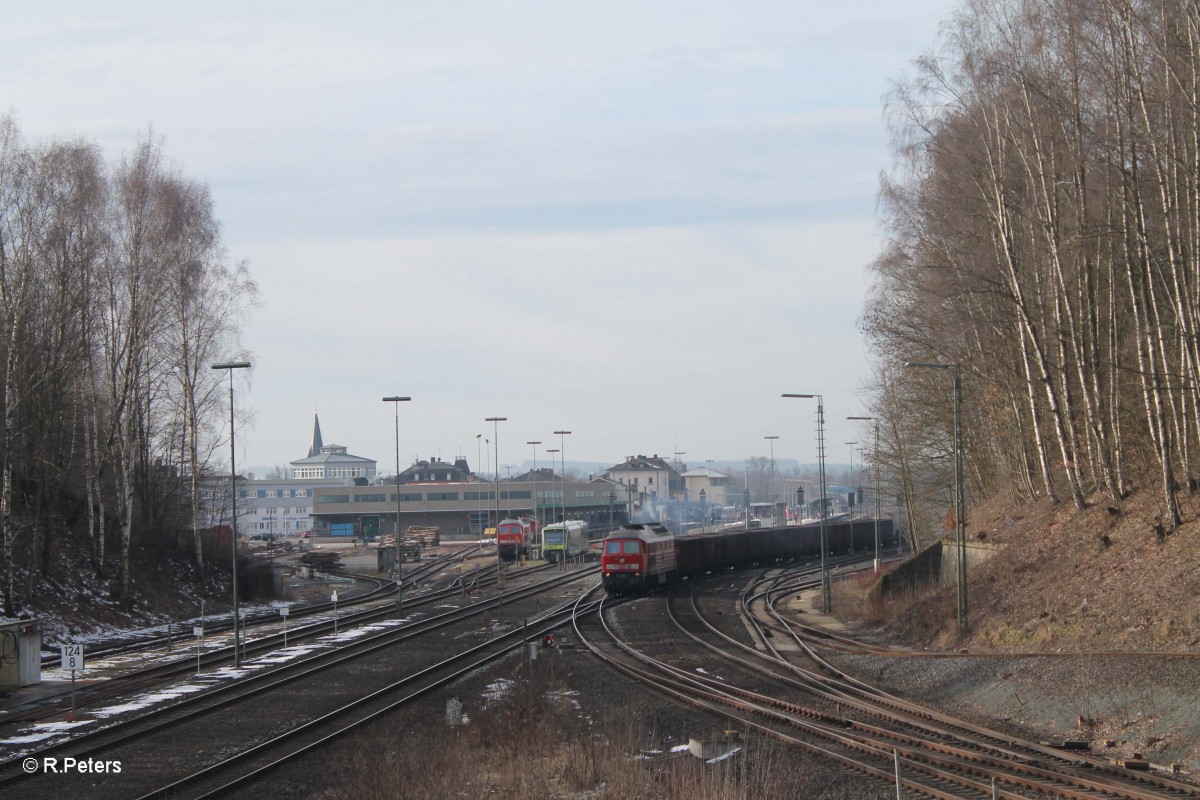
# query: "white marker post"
[[72, 659], [335, 613], [283, 612], [198, 632]]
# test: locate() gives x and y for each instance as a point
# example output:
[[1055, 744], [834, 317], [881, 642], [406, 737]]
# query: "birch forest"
[[1043, 232], [116, 296]]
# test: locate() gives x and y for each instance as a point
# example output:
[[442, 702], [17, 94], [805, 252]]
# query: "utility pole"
[[960, 504], [826, 588]]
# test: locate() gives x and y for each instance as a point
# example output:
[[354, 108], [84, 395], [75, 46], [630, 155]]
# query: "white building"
[[706, 485], [281, 506], [650, 476], [284, 506], [331, 461]]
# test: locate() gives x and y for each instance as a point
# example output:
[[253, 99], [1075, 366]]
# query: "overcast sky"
[[638, 221]]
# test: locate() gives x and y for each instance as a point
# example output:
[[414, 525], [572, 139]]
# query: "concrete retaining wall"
[[936, 565]]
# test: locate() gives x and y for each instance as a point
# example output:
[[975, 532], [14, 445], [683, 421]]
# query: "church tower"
[[317, 444]]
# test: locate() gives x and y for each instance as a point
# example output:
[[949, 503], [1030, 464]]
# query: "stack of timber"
[[410, 549], [322, 559], [427, 535]]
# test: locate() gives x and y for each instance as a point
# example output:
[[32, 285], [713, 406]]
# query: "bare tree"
[[114, 297], [1044, 233]]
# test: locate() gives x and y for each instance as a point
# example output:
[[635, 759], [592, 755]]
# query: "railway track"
[[328, 696], [181, 632], [818, 709], [363, 610]]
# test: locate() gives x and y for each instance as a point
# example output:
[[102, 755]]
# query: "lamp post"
[[230, 366], [826, 598], [496, 452], [771, 475], [960, 509], [396, 401], [535, 514], [562, 457]]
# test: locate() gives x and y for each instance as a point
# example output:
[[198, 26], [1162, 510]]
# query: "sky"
[[637, 221]]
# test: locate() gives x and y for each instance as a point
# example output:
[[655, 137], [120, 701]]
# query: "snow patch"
[[730, 754], [144, 701], [497, 691]]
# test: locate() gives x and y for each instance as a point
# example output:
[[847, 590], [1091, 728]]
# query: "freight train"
[[641, 556]]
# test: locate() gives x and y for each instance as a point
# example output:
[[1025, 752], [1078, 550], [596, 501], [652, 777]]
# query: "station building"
[[463, 509]]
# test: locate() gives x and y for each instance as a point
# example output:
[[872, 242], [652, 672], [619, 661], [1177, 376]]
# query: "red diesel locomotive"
[[637, 556], [515, 537]]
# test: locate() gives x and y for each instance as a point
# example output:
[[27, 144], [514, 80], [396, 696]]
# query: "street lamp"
[[496, 451], [960, 510], [230, 366], [562, 457], [535, 516], [826, 599], [396, 401], [771, 475]]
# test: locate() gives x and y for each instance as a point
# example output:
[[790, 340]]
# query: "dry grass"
[[536, 743], [1076, 583], [858, 598], [1067, 580]]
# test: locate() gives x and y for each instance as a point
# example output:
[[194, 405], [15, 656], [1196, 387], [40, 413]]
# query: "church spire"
[[317, 444]]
